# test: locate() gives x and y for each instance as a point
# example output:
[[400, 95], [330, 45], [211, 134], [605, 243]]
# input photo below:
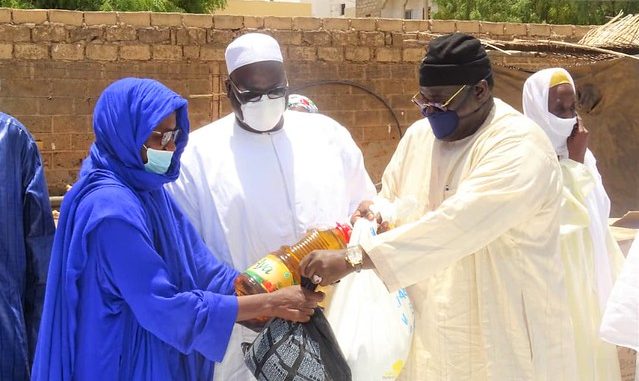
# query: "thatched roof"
[[620, 33]]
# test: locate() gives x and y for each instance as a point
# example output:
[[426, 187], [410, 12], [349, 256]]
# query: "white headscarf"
[[535, 102]]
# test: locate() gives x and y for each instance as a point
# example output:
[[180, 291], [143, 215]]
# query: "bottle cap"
[[344, 231]]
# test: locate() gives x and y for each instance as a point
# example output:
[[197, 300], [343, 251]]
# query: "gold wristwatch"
[[354, 257]]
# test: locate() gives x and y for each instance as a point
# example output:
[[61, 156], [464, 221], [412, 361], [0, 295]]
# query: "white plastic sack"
[[374, 328]]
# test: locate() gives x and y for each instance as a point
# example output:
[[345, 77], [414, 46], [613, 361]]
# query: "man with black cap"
[[479, 255]]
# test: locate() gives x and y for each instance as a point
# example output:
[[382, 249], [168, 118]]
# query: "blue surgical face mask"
[[157, 161], [443, 123]]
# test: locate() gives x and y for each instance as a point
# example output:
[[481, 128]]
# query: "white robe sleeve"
[[191, 193], [620, 323], [387, 202], [599, 195], [359, 185], [503, 190], [184, 191], [578, 183], [393, 170], [608, 257]]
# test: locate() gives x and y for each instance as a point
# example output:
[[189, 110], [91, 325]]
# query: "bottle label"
[[271, 273]]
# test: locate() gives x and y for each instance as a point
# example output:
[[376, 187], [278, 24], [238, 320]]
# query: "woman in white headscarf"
[[591, 256]]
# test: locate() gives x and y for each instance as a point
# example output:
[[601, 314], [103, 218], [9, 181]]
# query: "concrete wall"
[[368, 8], [332, 8], [393, 9], [398, 8]]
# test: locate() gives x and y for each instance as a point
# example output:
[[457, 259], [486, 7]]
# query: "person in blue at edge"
[[26, 235], [133, 292]]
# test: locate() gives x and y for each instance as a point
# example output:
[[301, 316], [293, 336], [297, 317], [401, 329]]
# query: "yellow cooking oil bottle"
[[280, 268]]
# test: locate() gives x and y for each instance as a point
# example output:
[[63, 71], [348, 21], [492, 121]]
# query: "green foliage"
[[190, 6], [14, 4], [578, 12]]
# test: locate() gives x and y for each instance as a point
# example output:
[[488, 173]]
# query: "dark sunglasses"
[[246, 96]]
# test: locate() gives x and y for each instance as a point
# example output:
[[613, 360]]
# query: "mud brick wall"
[[54, 64]]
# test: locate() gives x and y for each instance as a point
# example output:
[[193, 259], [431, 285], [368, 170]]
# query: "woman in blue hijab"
[[133, 293]]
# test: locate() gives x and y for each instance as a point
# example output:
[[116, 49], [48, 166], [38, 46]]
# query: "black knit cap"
[[454, 59]]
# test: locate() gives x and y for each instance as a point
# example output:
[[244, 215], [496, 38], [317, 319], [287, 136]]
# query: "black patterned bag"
[[287, 351]]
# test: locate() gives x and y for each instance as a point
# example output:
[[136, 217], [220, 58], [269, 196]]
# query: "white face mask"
[[264, 114], [560, 131]]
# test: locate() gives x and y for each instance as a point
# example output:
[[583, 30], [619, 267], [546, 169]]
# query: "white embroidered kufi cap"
[[251, 48]]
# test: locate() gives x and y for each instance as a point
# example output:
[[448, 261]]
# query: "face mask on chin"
[[264, 114], [560, 130]]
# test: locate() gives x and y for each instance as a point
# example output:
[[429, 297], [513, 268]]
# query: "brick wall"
[[54, 64]]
